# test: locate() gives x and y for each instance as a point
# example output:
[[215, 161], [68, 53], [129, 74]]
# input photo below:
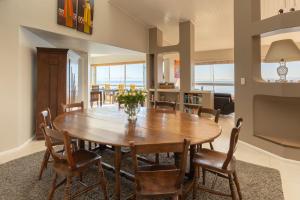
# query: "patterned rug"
[[18, 181]]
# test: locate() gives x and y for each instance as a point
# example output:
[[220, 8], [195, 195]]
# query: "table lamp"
[[282, 51]]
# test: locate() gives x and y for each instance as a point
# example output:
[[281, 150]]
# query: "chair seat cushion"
[[213, 160]]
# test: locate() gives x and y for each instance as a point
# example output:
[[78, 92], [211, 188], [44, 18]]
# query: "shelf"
[[191, 104], [292, 143], [169, 90], [199, 92], [277, 89], [276, 24]]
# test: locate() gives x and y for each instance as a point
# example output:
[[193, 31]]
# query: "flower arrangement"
[[132, 100]]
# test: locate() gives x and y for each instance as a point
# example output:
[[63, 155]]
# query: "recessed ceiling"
[[213, 19]]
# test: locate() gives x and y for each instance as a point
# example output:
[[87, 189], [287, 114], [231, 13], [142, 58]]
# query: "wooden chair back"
[[95, 87], [106, 87], [239, 122], [69, 149], [132, 87], [121, 88], [165, 104], [46, 118], [72, 106], [173, 176], [215, 113], [233, 142], [51, 136]]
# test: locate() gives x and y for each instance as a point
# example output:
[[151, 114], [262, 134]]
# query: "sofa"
[[224, 102]]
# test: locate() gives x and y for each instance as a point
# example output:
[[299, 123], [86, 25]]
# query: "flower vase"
[[132, 111]]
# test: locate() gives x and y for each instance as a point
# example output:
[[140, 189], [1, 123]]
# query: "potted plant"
[[132, 101]]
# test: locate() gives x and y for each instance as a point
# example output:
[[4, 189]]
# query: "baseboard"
[[245, 144], [15, 149]]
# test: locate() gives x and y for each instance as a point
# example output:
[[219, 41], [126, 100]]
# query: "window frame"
[[109, 65], [212, 83]]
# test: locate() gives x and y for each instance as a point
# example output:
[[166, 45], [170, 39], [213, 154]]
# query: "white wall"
[[17, 55]]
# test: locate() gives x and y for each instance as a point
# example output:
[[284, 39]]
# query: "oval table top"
[[111, 127]]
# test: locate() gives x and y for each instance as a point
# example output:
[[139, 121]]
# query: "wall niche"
[[277, 119]]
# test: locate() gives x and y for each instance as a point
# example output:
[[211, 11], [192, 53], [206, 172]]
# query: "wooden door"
[[51, 82]]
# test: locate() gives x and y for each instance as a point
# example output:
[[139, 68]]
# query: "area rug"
[[18, 181]]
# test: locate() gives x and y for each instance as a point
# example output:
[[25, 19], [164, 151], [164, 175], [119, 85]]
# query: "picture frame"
[[67, 13], [85, 16]]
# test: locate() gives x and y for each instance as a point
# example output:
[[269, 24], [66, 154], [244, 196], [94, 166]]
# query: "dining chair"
[[159, 180], [71, 165], [213, 112], [132, 87], [165, 105], [72, 106], [76, 107], [108, 93], [46, 118], [221, 164], [121, 88], [94, 95]]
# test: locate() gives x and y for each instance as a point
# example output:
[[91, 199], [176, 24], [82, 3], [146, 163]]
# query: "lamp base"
[[282, 71]]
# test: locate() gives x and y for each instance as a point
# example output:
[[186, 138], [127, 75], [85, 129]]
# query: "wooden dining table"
[[109, 126]]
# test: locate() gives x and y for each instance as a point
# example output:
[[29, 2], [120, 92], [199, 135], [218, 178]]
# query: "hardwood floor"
[[290, 171]]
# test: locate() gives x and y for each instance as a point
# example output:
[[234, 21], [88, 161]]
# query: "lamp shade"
[[283, 49]]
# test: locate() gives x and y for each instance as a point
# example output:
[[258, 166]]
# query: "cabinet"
[[56, 82]]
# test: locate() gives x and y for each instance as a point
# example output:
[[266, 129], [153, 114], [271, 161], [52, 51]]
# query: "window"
[[121, 74], [102, 75], [214, 77], [135, 74], [269, 71], [117, 75]]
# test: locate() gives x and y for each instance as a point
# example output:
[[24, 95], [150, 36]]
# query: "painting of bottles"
[[67, 13], [85, 16]]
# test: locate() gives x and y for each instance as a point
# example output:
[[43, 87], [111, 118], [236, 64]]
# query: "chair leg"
[[211, 146], [157, 158], [103, 182], [195, 182], [90, 146], [67, 195], [199, 147], [50, 195], [44, 163], [80, 177], [203, 176], [231, 185], [237, 184]]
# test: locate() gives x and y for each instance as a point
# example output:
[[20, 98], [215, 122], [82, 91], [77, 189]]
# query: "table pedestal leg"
[[117, 172]]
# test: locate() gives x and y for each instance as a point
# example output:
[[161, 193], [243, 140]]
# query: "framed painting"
[[67, 13], [85, 16]]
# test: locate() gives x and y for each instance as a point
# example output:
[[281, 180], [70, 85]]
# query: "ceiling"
[[93, 48], [213, 19]]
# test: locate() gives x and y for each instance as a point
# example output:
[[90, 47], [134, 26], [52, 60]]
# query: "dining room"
[[129, 99]]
